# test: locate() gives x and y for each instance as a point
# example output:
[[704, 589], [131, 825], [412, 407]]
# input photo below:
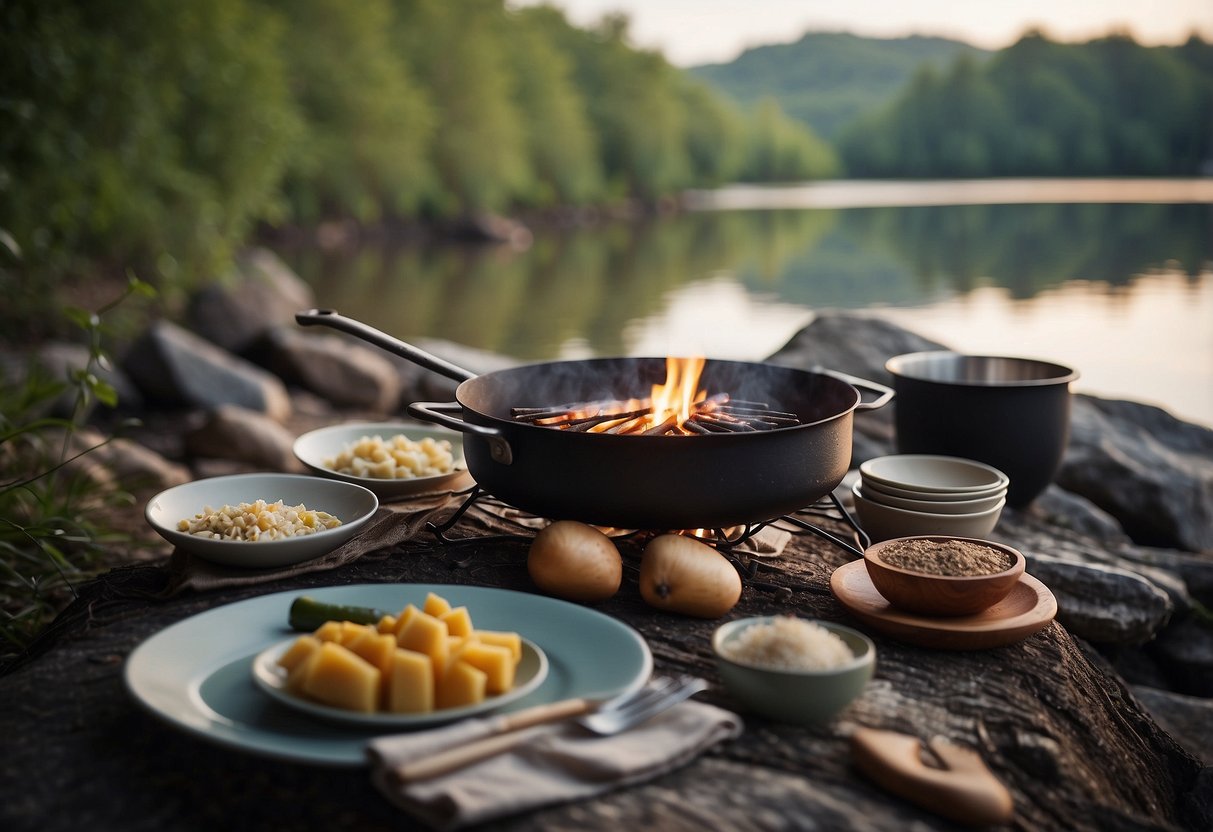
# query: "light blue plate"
[[196, 673]]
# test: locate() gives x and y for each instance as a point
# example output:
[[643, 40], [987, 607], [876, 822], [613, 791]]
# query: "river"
[[1112, 277]]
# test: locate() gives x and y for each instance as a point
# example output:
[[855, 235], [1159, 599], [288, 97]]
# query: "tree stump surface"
[[1062, 733]]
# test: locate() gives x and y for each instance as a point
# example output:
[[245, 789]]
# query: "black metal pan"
[[641, 482]]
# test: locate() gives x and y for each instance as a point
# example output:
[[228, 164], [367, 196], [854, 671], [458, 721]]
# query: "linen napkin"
[[555, 763]]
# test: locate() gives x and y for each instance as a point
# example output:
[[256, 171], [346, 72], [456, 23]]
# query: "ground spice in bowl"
[[953, 558]]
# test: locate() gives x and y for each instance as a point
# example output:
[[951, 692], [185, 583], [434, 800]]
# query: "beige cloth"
[[556, 763]]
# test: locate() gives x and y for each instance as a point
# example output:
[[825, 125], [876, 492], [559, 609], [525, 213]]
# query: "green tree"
[[367, 122], [138, 131]]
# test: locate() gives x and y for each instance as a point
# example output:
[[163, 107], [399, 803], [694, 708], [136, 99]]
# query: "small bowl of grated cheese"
[[792, 669], [260, 521]]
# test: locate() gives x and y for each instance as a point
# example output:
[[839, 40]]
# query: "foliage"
[[1039, 108], [50, 534], [139, 132], [828, 79]]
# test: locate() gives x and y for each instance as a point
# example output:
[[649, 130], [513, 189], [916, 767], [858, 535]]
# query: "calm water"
[[1113, 278]]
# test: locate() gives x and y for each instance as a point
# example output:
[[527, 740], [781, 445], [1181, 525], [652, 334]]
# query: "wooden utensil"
[[963, 790]]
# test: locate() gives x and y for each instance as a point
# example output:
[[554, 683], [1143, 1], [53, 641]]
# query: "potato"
[[575, 561], [682, 575]]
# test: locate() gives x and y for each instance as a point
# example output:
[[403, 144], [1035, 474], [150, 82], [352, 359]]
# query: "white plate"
[[195, 673], [532, 669], [351, 504], [314, 447]]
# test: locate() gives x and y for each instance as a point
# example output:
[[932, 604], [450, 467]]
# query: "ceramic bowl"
[[317, 446], [882, 522], [352, 504], [930, 474], [801, 697], [940, 595], [872, 486], [930, 506]]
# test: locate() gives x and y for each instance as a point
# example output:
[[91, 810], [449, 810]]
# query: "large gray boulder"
[[345, 372], [1151, 471], [260, 294], [1103, 604], [235, 433], [176, 368]]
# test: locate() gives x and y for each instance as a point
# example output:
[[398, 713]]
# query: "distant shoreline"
[[859, 193]]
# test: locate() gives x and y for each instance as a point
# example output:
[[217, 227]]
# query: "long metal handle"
[[332, 318], [883, 394], [443, 413]]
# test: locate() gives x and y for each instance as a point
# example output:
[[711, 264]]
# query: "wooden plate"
[[1028, 608]]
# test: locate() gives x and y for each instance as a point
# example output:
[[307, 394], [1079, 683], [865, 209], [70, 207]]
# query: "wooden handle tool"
[[964, 790], [511, 731]]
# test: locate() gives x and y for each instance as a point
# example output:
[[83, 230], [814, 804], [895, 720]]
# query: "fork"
[[601, 718]]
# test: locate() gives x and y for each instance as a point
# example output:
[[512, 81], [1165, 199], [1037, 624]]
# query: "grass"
[[53, 532]]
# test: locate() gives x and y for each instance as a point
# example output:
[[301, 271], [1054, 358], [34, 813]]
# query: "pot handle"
[[332, 318], [883, 394], [437, 412]]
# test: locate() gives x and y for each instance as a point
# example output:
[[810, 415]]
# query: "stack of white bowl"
[[915, 494]]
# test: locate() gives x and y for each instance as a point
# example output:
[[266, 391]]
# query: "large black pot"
[[1012, 413], [643, 482]]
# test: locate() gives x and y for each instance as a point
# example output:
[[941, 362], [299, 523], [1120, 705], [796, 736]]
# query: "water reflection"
[[739, 283]]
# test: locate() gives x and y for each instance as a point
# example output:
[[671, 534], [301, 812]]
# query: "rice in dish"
[[259, 520], [788, 643], [395, 458]]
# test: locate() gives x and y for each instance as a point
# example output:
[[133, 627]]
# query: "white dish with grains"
[[392, 459], [260, 521]]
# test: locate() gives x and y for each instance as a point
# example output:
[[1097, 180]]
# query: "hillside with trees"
[[828, 79], [1110, 107]]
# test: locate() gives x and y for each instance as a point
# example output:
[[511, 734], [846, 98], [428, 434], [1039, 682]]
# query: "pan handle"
[[883, 394], [332, 318], [437, 412]]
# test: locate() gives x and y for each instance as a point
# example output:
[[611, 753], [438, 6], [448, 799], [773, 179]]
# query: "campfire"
[[676, 408]]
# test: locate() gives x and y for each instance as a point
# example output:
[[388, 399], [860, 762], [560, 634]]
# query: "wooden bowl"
[[941, 595]]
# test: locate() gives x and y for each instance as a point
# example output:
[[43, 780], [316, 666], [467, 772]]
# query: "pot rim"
[[1059, 374]]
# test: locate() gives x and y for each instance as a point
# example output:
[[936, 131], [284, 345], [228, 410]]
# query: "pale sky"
[[691, 32]]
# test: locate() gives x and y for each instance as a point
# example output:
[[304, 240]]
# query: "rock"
[[1186, 651], [1151, 471], [260, 294], [345, 372], [1103, 604], [122, 463], [174, 367], [1059, 508], [853, 344], [432, 386], [246, 436], [58, 361], [1188, 719]]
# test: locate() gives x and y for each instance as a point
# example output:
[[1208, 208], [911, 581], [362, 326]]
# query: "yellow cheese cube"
[[338, 677], [496, 662], [458, 622], [298, 652], [410, 683], [402, 620], [351, 632], [436, 605], [426, 634], [511, 640], [377, 649], [461, 685], [329, 631], [387, 624]]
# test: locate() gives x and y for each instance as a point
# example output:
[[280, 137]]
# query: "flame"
[[680, 392]]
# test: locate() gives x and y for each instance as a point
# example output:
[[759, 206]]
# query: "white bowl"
[[930, 506], [933, 474], [882, 522], [871, 486], [314, 447], [352, 504]]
